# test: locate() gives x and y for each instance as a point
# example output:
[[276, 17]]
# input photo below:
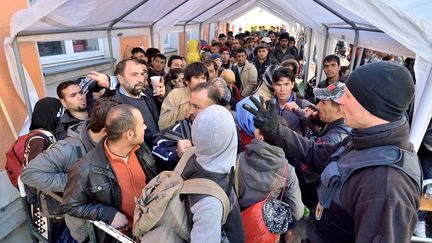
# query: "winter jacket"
[[371, 198], [261, 67], [66, 121], [309, 176], [175, 107], [249, 77], [281, 56], [261, 167], [92, 191]]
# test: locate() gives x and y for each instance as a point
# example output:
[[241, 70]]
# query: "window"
[[194, 34], [51, 48], [60, 52], [171, 40]]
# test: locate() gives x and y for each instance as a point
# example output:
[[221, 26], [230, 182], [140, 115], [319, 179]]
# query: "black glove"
[[265, 120]]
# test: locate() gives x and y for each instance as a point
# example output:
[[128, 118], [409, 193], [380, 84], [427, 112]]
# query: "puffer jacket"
[[92, 191], [261, 167]]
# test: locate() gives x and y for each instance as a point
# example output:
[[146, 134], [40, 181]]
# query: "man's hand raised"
[[265, 120]]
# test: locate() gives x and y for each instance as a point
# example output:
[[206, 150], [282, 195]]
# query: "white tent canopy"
[[397, 26]]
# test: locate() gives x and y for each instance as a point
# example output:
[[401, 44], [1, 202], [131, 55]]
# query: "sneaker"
[[420, 229]]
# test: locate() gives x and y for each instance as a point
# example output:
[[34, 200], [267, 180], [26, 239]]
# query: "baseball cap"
[[331, 92], [266, 39]]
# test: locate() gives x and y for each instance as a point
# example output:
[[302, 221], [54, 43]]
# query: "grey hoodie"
[[261, 167], [215, 137]]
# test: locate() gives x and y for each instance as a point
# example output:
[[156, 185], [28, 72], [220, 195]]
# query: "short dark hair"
[[283, 72], [195, 69], [137, 50], [261, 46], [160, 56], [172, 58], [213, 93], [62, 86], [211, 62], [99, 113], [151, 53], [240, 50], [120, 67], [119, 120], [216, 44], [330, 58], [239, 36]]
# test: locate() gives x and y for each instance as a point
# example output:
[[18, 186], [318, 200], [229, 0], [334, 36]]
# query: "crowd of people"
[[342, 152]]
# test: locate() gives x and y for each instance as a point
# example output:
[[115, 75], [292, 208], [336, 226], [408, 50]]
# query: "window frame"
[[70, 55]]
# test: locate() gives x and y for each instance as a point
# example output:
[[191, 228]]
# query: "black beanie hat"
[[385, 89], [284, 35]]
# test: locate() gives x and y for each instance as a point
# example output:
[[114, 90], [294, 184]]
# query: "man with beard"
[[132, 76], [283, 51], [74, 100]]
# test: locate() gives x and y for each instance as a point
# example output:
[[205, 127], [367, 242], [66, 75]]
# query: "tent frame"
[[351, 25]]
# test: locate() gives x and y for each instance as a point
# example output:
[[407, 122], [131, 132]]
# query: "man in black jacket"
[[102, 185], [132, 76], [373, 176]]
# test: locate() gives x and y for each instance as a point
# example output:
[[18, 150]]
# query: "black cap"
[[385, 89]]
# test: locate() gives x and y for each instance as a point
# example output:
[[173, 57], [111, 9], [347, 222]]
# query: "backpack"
[[17, 155], [160, 213]]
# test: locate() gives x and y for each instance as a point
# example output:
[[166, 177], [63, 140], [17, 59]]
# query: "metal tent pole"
[[109, 36], [309, 58], [353, 51], [22, 77], [196, 16]]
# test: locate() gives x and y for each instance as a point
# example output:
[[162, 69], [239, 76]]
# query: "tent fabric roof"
[[398, 26]]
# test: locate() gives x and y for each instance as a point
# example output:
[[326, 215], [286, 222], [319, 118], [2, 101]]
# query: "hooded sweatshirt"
[[215, 137], [261, 168]]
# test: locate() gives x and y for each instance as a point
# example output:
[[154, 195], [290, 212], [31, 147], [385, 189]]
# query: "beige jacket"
[[249, 76], [264, 92], [175, 107]]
